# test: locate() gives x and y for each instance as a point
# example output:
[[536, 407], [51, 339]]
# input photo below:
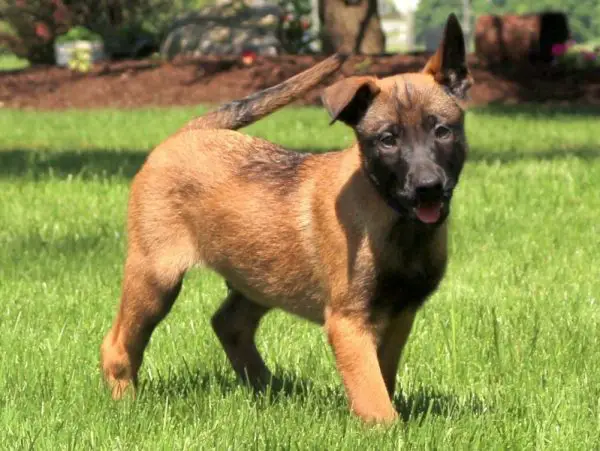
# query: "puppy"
[[353, 240]]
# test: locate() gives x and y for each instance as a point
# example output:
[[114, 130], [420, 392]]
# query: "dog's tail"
[[240, 113]]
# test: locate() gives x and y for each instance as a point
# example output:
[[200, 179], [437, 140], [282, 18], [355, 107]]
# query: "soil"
[[142, 83]]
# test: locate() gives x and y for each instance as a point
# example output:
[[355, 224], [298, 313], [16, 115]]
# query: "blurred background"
[[217, 50], [139, 28]]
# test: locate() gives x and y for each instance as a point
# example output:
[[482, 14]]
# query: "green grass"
[[8, 61], [504, 355]]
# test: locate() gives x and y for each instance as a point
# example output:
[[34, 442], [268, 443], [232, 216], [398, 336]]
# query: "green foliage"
[[580, 57], [583, 15], [432, 14], [10, 62], [294, 27], [29, 27], [79, 33]]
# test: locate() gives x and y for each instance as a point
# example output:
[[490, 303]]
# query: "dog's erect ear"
[[348, 99], [449, 64]]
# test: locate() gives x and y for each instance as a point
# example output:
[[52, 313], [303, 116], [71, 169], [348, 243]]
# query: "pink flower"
[[589, 56], [248, 57], [42, 31], [558, 49]]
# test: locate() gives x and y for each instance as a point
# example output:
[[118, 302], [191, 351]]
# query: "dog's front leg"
[[391, 347], [354, 344]]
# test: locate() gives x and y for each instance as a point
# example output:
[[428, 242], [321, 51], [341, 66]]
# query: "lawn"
[[504, 356]]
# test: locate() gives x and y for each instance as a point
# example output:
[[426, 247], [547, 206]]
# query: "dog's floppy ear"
[[448, 65], [348, 99]]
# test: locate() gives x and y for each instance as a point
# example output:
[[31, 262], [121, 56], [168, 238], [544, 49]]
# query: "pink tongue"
[[429, 213]]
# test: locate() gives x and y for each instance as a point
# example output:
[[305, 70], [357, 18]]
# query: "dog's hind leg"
[[235, 324], [150, 287]]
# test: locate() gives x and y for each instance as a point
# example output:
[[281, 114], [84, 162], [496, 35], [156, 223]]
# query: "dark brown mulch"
[[129, 84]]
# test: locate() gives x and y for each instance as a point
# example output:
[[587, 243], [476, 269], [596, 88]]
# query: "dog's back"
[[237, 193]]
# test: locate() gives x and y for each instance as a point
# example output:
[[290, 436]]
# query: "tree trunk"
[[351, 26]]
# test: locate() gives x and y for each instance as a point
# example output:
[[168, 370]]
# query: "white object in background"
[[407, 8], [63, 51], [315, 25]]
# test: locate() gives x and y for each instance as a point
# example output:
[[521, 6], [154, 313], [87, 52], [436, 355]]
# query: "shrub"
[[573, 56], [34, 24], [294, 27], [79, 33]]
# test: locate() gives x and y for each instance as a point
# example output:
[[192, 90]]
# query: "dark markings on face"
[[407, 149]]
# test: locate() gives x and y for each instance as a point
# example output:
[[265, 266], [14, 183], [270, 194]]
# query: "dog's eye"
[[387, 140], [442, 133]]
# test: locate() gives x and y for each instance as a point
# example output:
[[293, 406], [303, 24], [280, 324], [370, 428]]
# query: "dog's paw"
[[121, 388], [117, 371]]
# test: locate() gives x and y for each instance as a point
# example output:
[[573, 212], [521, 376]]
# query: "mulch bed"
[[130, 84]]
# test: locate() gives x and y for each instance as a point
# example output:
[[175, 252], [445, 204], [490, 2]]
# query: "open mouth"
[[429, 212]]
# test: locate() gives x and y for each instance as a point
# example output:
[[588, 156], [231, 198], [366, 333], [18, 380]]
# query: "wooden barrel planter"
[[519, 39]]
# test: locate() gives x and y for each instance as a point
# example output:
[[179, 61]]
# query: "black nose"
[[429, 189]]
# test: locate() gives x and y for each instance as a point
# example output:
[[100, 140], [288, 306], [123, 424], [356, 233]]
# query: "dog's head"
[[410, 128]]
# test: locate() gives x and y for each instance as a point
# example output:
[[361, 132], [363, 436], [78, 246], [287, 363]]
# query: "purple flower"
[[589, 56], [558, 49]]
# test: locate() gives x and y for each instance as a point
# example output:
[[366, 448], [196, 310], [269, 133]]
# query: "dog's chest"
[[408, 272], [397, 291]]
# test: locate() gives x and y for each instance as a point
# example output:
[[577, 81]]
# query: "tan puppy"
[[354, 240]]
